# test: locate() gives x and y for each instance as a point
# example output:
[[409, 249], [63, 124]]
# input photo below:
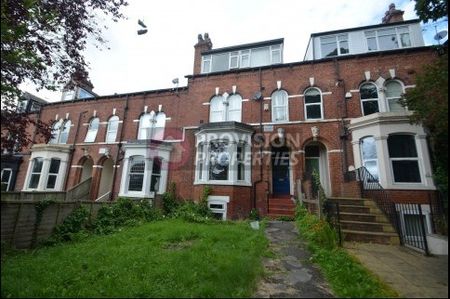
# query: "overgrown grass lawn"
[[168, 258]]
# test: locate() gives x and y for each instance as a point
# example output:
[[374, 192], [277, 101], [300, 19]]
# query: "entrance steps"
[[281, 207], [362, 221]]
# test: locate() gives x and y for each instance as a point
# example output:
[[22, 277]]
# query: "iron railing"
[[371, 188], [414, 226], [332, 214]]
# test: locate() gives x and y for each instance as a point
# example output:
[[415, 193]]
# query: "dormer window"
[[242, 58], [388, 39], [334, 45]]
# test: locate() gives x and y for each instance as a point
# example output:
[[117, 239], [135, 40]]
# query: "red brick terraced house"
[[250, 126]]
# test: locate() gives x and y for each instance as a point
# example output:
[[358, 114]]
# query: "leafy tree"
[[42, 41], [431, 9], [429, 99]]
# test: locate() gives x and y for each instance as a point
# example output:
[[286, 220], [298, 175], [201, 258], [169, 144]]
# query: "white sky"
[[150, 61]]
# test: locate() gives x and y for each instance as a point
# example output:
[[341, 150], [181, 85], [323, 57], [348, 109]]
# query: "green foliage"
[[429, 103], [431, 9], [192, 212], [347, 277], [169, 199], [254, 214], [71, 229], [40, 208], [163, 259]]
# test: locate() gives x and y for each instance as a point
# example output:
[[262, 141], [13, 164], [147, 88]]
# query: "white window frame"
[[397, 36], [49, 174], [91, 134], [9, 178], [363, 160], [314, 104], [388, 99], [337, 44], [35, 173], [110, 131], [65, 131], [219, 200], [152, 126], [224, 108], [157, 176], [419, 168], [371, 99], [242, 54], [129, 173], [233, 55], [276, 106], [206, 58], [56, 131], [274, 49]]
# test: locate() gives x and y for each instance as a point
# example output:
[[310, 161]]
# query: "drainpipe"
[[260, 180], [119, 148], [344, 133], [72, 150]]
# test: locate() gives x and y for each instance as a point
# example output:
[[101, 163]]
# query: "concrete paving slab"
[[410, 273]]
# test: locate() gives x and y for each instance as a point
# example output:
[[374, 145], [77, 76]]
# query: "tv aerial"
[[142, 31]]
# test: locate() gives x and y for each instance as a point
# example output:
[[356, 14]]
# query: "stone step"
[[367, 226], [352, 201], [363, 217], [371, 237], [282, 205], [354, 209], [282, 212]]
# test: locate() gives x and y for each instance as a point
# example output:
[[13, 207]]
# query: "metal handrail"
[[104, 196], [371, 188]]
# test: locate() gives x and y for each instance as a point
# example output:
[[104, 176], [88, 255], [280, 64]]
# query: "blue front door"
[[280, 173]]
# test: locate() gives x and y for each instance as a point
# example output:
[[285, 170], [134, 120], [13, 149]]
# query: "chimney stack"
[[204, 44], [392, 15]]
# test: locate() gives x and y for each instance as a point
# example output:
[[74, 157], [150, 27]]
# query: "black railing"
[[413, 225], [332, 214], [371, 188]]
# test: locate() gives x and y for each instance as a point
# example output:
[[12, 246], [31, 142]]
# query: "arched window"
[[145, 125], [92, 130], [36, 170], [111, 130], [369, 98], [216, 109], [313, 104], [160, 123], [280, 106], [393, 94], [404, 158], [136, 173], [56, 132], [369, 155], [234, 108], [65, 132]]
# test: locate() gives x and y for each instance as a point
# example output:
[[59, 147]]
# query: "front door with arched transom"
[[280, 171]]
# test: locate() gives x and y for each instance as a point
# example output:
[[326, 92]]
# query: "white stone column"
[[123, 180], [61, 178], [164, 176], [44, 174], [424, 160], [384, 164], [147, 176], [28, 177]]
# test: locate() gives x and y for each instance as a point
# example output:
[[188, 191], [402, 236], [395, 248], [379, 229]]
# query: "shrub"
[[71, 228], [169, 200], [192, 212]]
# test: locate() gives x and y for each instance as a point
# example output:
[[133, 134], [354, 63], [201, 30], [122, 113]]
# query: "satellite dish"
[[257, 96], [440, 35]]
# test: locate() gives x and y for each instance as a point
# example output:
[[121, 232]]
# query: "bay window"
[[136, 173], [404, 158], [53, 173], [36, 170], [369, 155]]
